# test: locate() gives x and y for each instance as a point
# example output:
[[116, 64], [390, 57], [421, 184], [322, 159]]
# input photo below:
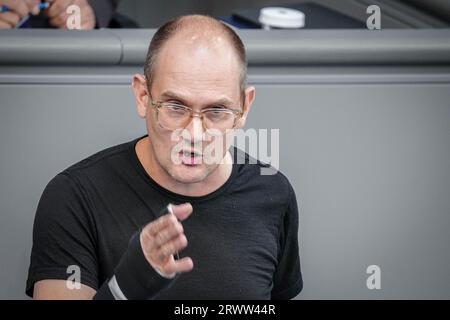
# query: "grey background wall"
[[364, 121]]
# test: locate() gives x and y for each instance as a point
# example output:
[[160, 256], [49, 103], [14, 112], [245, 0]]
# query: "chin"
[[189, 174]]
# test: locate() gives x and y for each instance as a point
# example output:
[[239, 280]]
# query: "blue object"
[[42, 6]]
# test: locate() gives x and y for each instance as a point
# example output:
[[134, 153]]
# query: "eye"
[[175, 107], [218, 114], [174, 110]]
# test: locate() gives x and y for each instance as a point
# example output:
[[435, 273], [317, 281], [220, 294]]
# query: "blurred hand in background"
[[17, 10], [57, 13]]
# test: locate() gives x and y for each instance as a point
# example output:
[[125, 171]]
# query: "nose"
[[195, 128]]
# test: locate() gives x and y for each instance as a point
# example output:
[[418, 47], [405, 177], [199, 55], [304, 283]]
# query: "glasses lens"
[[173, 116], [220, 119]]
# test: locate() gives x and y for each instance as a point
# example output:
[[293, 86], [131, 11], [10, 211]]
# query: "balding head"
[[197, 31]]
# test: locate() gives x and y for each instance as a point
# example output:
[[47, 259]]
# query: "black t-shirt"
[[242, 237]]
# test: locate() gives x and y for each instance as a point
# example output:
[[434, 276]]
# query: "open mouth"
[[190, 158]]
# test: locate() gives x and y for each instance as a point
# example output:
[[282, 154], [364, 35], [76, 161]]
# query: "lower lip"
[[190, 160]]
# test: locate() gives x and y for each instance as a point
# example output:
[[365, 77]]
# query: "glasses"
[[173, 116]]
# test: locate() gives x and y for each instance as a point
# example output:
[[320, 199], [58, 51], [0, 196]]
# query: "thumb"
[[181, 211]]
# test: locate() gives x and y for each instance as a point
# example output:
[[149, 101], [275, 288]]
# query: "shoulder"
[[70, 183], [100, 159], [263, 177]]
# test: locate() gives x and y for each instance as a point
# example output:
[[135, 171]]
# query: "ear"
[[139, 86], [249, 97]]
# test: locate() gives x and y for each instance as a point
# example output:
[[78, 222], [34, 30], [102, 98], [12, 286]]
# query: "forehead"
[[198, 66]]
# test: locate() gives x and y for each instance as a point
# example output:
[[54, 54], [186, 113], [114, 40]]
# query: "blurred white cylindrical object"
[[279, 17]]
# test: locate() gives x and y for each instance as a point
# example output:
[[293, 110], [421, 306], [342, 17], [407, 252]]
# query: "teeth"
[[190, 154]]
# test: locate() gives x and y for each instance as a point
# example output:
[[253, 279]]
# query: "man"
[[229, 231], [93, 13]]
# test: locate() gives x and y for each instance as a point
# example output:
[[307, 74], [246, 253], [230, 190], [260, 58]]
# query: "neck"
[[211, 183]]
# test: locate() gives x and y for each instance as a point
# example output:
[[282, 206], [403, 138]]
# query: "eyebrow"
[[172, 95]]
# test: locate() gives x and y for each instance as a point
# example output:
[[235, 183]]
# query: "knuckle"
[[152, 225], [145, 244], [156, 225], [146, 234], [159, 238], [162, 221]]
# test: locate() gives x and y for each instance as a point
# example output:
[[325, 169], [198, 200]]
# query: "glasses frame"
[[200, 114]]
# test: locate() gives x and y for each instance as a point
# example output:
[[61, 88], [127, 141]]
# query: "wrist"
[[134, 277]]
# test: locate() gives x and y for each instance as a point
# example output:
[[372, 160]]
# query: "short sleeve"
[[63, 235], [288, 282]]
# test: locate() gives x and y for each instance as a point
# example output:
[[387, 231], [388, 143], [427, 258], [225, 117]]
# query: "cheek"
[[228, 139], [155, 132], [161, 139], [216, 149]]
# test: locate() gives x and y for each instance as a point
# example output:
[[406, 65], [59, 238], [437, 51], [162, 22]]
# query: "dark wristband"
[[104, 293], [134, 277]]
